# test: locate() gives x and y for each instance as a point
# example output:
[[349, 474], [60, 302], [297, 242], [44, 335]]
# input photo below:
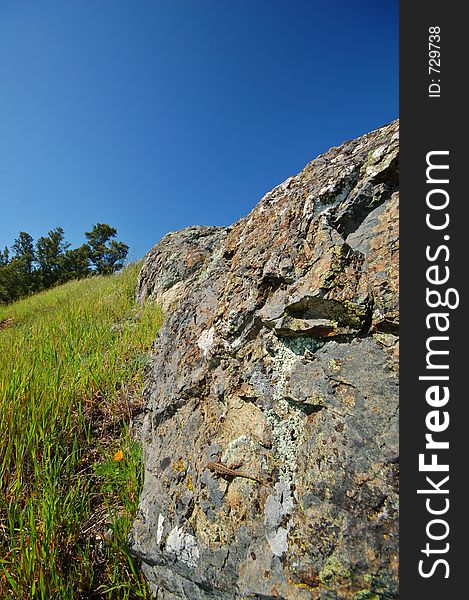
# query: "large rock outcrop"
[[278, 358]]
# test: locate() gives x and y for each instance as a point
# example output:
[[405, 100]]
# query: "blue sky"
[[152, 115]]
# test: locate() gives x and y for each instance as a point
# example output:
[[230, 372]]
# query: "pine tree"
[[23, 248], [4, 256], [106, 256], [50, 257]]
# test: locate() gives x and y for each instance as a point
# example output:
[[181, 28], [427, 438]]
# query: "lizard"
[[221, 469]]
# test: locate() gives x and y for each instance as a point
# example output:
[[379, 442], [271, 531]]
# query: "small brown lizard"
[[221, 469]]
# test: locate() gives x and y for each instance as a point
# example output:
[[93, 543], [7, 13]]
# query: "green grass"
[[71, 362]]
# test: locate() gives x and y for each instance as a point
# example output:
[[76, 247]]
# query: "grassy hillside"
[[71, 362]]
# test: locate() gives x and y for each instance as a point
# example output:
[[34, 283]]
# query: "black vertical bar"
[[433, 118]]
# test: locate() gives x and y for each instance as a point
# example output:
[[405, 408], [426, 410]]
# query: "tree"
[[50, 256], [4, 256], [23, 248], [51, 260], [6, 284], [21, 266], [76, 264], [106, 256], [15, 283]]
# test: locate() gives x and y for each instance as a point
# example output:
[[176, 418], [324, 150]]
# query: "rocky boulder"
[[278, 359]]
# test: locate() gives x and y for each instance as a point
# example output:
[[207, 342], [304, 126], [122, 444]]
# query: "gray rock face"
[[278, 357], [168, 267]]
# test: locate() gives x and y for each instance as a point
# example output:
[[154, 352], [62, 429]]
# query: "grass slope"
[[71, 362]]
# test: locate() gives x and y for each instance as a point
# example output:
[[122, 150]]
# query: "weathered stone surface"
[[171, 265], [278, 354]]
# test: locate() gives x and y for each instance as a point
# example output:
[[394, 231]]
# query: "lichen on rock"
[[278, 357]]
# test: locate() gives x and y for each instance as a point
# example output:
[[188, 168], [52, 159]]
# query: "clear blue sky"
[[152, 115]]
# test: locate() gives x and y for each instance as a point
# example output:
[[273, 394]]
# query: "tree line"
[[29, 267]]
